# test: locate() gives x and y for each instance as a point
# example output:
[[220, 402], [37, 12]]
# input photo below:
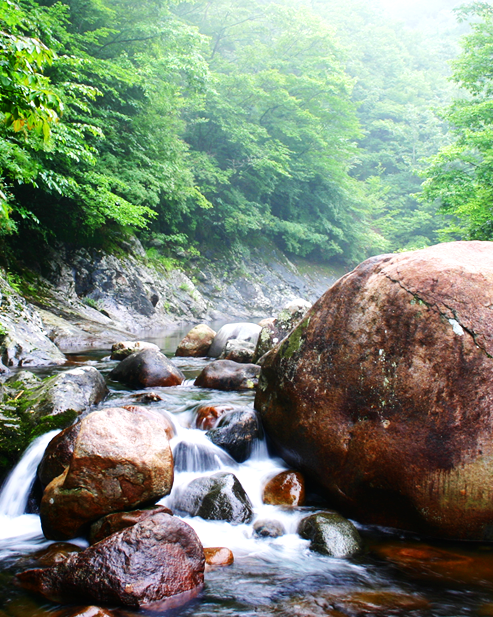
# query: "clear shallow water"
[[399, 574]]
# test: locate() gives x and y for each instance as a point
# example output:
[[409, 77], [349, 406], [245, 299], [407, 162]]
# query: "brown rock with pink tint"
[[285, 489], [383, 392]]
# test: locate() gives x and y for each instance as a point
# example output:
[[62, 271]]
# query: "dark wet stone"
[[331, 534], [219, 498], [238, 351], [147, 369], [139, 566], [55, 553], [236, 433], [228, 375]]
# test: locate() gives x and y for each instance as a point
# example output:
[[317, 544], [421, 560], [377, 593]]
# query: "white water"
[[21, 532]]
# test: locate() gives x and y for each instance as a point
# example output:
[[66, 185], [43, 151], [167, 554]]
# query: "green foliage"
[[460, 178], [272, 145], [401, 82], [219, 124]]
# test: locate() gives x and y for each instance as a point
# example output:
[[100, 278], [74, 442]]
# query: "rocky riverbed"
[[236, 529]]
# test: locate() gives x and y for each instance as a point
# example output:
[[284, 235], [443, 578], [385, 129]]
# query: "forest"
[[335, 129]]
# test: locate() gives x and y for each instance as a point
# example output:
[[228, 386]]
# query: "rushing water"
[[399, 574]]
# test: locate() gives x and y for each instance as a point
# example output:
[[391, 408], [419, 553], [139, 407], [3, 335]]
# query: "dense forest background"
[[336, 129]]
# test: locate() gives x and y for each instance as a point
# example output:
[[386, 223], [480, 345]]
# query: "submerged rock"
[[147, 369], [197, 342], [285, 489], [333, 603], [120, 459], [219, 498], [138, 566], [247, 332], [331, 534], [236, 432], [55, 553], [383, 392], [228, 375], [123, 349]]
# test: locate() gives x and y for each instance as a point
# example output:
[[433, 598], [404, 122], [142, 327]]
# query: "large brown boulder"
[[147, 369], [120, 459], [141, 565], [383, 392], [197, 342]]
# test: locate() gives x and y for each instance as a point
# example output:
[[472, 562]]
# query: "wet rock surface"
[[237, 432], [112, 523], [238, 351], [207, 415], [218, 556], [147, 369], [247, 332], [154, 559], [330, 603], [228, 375], [331, 534], [75, 390], [285, 489], [58, 454], [382, 393], [219, 497], [275, 330], [55, 553], [268, 529], [123, 349], [120, 459], [23, 341], [197, 342]]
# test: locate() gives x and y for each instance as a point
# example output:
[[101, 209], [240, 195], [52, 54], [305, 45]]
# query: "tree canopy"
[[223, 123], [461, 176]]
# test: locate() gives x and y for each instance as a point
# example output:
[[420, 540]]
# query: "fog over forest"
[[335, 129]]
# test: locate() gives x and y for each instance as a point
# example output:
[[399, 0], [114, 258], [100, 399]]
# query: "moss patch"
[[294, 341]]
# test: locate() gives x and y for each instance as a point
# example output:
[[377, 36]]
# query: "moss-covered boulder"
[[30, 407]]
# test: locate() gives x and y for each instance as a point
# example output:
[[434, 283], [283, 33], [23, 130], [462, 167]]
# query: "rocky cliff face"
[[89, 298]]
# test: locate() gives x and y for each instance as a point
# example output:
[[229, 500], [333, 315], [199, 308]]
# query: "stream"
[[398, 574]]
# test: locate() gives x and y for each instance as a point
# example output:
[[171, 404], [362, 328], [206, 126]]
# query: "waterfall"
[[15, 491]]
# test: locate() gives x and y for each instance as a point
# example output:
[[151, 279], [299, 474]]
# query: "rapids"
[[399, 574]]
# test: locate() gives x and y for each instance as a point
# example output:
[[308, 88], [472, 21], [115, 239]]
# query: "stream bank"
[[88, 298]]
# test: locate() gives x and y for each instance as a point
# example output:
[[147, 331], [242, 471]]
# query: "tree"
[[274, 140], [460, 178]]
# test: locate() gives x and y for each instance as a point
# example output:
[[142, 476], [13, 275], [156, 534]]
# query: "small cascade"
[[15, 491], [19, 532]]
